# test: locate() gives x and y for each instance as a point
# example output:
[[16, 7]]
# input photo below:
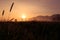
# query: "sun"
[[23, 16]]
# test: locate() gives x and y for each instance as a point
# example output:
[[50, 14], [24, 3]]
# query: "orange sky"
[[30, 8]]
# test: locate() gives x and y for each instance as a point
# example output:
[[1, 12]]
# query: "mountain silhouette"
[[56, 17], [52, 18]]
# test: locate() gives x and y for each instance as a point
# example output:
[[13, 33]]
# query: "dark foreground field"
[[29, 30]]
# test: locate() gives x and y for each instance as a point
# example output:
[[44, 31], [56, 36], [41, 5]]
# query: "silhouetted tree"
[[15, 20], [56, 17]]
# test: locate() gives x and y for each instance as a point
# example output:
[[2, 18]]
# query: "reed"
[[11, 6], [10, 11], [3, 12]]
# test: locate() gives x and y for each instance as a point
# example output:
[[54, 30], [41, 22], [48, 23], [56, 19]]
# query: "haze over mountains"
[[55, 17], [52, 18]]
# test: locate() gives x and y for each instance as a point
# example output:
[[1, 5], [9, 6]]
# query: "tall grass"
[[11, 6], [3, 13]]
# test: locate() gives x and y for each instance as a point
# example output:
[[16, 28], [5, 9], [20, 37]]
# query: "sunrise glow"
[[23, 16]]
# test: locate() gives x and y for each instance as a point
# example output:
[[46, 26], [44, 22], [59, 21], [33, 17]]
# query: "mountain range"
[[52, 18]]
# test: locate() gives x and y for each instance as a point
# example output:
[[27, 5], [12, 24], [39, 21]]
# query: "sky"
[[30, 8]]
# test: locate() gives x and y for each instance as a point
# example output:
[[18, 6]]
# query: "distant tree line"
[[56, 17]]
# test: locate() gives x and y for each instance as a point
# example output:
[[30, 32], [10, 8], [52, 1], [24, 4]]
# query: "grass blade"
[[11, 6], [3, 13]]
